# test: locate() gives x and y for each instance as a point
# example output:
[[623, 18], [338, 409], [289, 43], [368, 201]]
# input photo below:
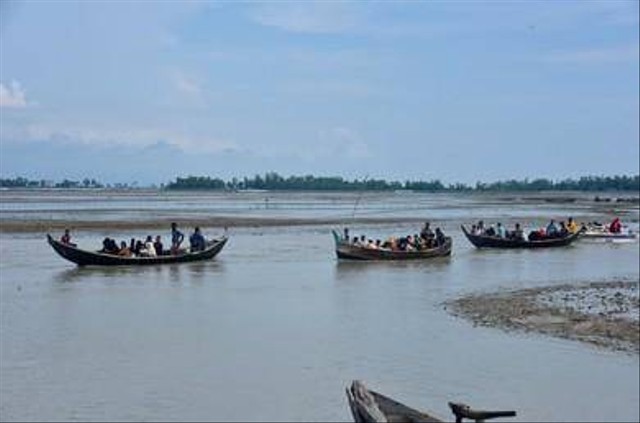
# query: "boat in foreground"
[[347, 250], [485, 241], [371, 407], [95, 258]]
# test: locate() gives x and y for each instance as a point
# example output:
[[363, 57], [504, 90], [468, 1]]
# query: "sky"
[[460, 91]]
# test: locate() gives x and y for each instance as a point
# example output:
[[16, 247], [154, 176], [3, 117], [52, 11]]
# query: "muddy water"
[[275, 327]]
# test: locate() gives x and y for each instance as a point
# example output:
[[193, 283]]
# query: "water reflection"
[[195, 272], [78, 274], [345, 270]]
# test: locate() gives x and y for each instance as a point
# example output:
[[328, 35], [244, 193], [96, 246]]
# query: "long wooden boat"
[[349, 251], [484, 241], [368, 406], [95, 258]]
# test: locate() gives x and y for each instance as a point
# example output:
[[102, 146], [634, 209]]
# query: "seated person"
[[440, 238], [426, 232], [371, 245], [197, 240], [66, 238], [572, 226], [408, 246], [138, 248], [518, 233], [615, 227], [109, 246], [552, 229], [124, 250], [158, 245], [500, 231], [563, 231], [148, 250]]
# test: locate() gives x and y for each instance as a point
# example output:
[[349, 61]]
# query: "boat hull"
[[480, 241], [90, 258], [347, 251], [609, 235]]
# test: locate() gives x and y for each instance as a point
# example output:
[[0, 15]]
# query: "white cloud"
[[187, 85], [336, 142], [135, 137], [12, 96], [308, 17]]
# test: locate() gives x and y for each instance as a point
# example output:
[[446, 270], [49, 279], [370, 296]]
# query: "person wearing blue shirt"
[[176, 238], [197, 240], [552, 229]]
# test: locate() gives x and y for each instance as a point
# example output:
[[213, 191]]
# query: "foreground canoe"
[[95, 258], [484, 241], [346, 250], [371, 407]]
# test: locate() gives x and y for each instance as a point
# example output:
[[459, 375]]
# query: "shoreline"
[[601, 314], [57, 225], [23, 226]]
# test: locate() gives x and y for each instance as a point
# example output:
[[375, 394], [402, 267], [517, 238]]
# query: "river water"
[[275, 327]]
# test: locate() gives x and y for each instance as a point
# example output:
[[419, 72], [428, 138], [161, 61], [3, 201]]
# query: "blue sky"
[[459, 91]]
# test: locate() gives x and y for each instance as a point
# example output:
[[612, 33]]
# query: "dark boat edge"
[[347, 251], [480, 241], [368, 406], [90, 258]]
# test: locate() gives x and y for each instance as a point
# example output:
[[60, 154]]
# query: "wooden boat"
[[599, 231], [95, 258], [609, 235], [371, 407], [347, 250], [484, 241]]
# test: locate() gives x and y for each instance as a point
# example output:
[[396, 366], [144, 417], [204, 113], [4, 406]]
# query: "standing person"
[[176, 238]]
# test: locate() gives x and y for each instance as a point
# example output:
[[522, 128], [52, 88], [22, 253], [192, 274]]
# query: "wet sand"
[[19, 226], [604, 314]]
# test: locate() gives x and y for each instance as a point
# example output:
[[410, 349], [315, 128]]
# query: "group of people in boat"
[[149, 247], [425, 240], [551, 231]]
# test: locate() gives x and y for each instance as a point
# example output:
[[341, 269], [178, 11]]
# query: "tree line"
[[21, 182], [276, 182]]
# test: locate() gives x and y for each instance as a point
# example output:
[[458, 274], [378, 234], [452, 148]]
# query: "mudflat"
[[605, 314]]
